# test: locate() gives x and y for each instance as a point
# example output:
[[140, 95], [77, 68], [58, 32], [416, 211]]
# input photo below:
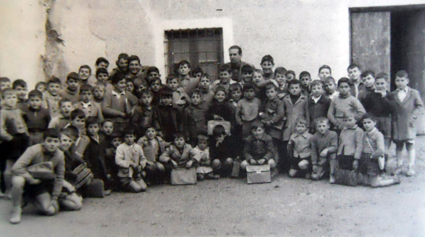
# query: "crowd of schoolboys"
[[131, 130]]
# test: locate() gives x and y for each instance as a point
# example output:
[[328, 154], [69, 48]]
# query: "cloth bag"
[[42, 170], [345, 177], [183, 176], [257, 174]]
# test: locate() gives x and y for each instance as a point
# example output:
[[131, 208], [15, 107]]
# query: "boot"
[[15, 216]]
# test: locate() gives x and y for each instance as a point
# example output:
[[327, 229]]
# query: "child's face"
[[84, 74], [10, 100], [156, 86], [184, 70], [249, 94], [65, 142], [129, 139], [152, 75], [196, 99], [179, 142], [295, 89], [121, 85], [247, 76], [72, 84], [330, 87], [35, 102], [98, 93], [220, 96], [300, 128], [21, 92], [93, 129], [151, 133], [271, 93], [116, 142], [258, 132], [123, 64], [281, 79], [167, 100], [324, 73], [134, 66], [108, 128], [173, 84], [236, 94], [220, 138], [204, 83], [267, 67], [381, 84], [51, 144], [130, 87], [202, 145], [102, 77], [401, 82], [350, 122], [305, 81], [86, 96], [369, 81], [354, 74], [368, 124], [290, 76], [80, 123], [54, 88], [41, 88], [146, 99], [4, 85], [225, 76], [198, 76], [102, 65], [141, 87], [66, 108], [322, 127], [317, 90], [258, 77], [344, 89]]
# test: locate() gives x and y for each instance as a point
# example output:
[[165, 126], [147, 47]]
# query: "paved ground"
[[285, 207]]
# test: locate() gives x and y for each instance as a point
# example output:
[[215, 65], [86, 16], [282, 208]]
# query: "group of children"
[[129, 131]]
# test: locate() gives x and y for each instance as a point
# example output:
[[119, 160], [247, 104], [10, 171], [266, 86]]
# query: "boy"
[[102, 77], [324, 145], [20, 86], [98, 93], [170, 119], [36, 117], [407, 105], [44, 192], [354, 73], [87, 105], [368, 78], [63, 118], [107, 127], [155, 86], [180, 98], [131, 161], [178, 154], [4, 83], [135, 74], [259, 148], [345, 103], [145, 114], [246, 74], [247, 109], [318, 104], [71, 91], [280, 77], [299, 150], [122, 65], [331, 88], [378, 105], [85, 75], [324, 72], [185, 81], [118, 105], [305, 79], [201, 153], [350, 144], [225, 75], [196, 121], [52, 97], [205, 88], [102, 63], [153, 72], [290, 75], [267, 64]]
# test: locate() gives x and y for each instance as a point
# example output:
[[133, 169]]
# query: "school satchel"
[[83, 174], [345, 177], [258, 174], [183, 176], [95, 189], [42, 170], [212, 123]]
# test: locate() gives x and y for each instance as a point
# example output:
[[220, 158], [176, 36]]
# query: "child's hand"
[[261, 161], [324, 153], [315, 168], [253, 162], [54, 203], [189, 164], [123, 115], [355, 164], [34, 181], [175, 165], [150, 163]]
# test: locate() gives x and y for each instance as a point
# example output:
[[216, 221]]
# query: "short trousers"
[[296, 160], [410, 141]]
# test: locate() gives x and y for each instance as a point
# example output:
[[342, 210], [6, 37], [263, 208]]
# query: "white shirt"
[[402, 93], [316, 99]]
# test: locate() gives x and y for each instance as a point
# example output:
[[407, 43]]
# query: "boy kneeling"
[[42, 190]]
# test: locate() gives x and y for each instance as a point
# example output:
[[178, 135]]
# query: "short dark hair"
[[78, 113], [70, 131], [368, 116], [129, 130], [293, 82], [247, 68], [40, 83], [235, 86], [101, 70], [146, 91], [117, 77], [165, 92], [218, 130], [305, 73], [382, 75], [320, 120], [367, 73], [183, 62], [330, 79], [172, 77], [280, 70], [85, 66], [101, 60], [122, 56], [51, 132], [92, 120], [154, 80], [107, 121], [179, 135], [134, 58], [325, 67], [73, 75], [54, 80], [317, 82], [268, 58], [196, 71], [352, 66], [248, 86], [402, 73], [4, 79], [35, 93], [290, 72], [343, 80], [85, 87], [64, 100], [225, 68], [19, 82], [236, 47], [257, 124], [152, 69]]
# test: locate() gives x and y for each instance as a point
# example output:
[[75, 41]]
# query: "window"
[[201, 47]]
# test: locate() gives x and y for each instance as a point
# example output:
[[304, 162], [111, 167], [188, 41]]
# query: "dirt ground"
[[285, 207]]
